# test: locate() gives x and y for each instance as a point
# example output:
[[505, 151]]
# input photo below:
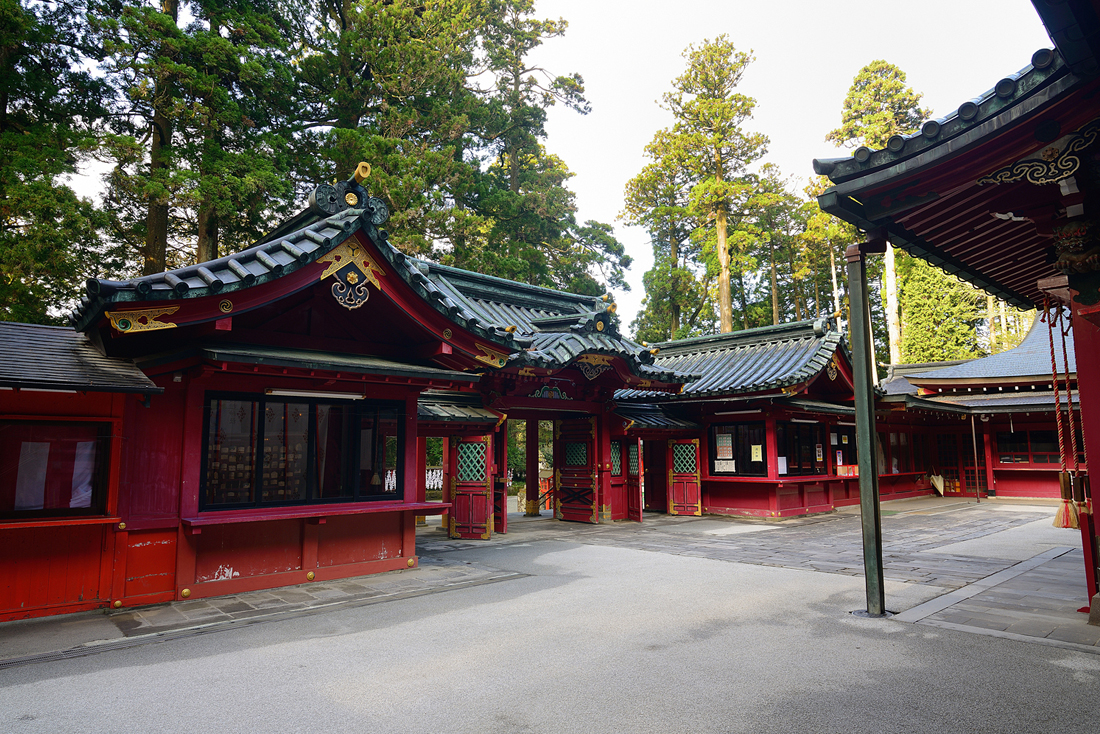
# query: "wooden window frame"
[[358, 410]]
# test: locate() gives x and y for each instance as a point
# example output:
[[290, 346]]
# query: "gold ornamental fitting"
[[122, 526], [361, 172], [412, 562], [447, 334], [185, 593], [310, 576], [599, 326], [118, 603], [226, 306], [351, 198]]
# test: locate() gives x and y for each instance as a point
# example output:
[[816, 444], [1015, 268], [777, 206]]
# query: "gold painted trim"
[[490, 356], [352, 253], [128, 322], [596, 359]]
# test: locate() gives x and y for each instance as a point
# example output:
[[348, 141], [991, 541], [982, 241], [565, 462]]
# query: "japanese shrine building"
[[1002, 192]]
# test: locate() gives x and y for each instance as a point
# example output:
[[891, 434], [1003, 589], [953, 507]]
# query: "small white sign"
[[729, 465], [782, 464]]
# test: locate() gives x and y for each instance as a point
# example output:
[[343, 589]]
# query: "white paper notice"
[[725, 466], [782, 464], [30, 477]]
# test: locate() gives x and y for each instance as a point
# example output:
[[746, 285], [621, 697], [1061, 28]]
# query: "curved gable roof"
[[753, 360]]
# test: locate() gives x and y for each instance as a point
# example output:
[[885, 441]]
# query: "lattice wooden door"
[[577, 495], [683, 477], [471, 491]]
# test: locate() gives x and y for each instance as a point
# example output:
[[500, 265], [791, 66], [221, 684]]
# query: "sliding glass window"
[[266, 451], [738, 450]]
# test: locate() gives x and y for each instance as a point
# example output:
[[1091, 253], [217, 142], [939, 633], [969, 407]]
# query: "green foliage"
[[696, 191], [941, 314], [193, 141], [218, 117], [49, 237], [878, 106]]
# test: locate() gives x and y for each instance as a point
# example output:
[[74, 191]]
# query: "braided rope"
[[1049, 319], [1069, 393]]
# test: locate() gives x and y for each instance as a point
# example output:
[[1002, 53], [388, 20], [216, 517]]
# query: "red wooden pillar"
[[603, 466], [500, 480], [446, 516], [1086, 345], [987, 432], [532, 468], [421, 479], [190, 480]]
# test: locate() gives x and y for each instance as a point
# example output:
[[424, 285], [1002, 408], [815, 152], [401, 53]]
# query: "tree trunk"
[[156, 222], [674, 306], [893, 323], [744, 301], [775, 283], [725, 304], [991, 317], [836, 288], [207, 248]]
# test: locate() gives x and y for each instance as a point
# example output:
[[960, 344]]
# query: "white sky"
[[807, 54]]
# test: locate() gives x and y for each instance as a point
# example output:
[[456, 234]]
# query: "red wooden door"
[[654, 476], [471, 490], [575, 470], [683, 477], [633, 479]]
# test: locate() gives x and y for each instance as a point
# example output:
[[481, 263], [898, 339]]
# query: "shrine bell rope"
[[1082, 494], [1066, 517]]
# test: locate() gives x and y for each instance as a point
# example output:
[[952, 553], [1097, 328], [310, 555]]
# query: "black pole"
[[860, 331]]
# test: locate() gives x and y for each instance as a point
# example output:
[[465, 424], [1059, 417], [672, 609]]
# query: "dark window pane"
[[1010, 443], [1044, 442], [230, 453], [331, 452], [738, 449], [52, 468], [286, 437]]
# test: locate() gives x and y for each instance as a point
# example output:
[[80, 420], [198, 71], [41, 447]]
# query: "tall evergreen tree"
[[880, 105], [50, 106], [941, 315], [708, 143], [197, 158]]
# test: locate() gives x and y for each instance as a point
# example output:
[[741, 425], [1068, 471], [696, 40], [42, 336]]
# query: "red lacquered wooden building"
[[1002, 192], [259, 420], [775, 435]]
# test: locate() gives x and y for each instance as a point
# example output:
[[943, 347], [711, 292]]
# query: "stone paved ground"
[[828, 543], [921, 546], [434, 574], [960, 557]]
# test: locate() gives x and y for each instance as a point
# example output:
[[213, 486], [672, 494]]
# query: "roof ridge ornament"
[[328, 199]]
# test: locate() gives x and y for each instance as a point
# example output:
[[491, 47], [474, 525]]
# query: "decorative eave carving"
[[1053, 163]]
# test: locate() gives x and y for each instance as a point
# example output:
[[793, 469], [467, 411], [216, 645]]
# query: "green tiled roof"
[[753, 360]]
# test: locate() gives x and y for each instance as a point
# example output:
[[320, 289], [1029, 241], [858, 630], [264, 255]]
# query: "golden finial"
[[361, 172]]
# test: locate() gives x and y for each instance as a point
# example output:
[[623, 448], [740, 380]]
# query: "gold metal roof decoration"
[[353, 269], [144, 319], [594, 365]]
